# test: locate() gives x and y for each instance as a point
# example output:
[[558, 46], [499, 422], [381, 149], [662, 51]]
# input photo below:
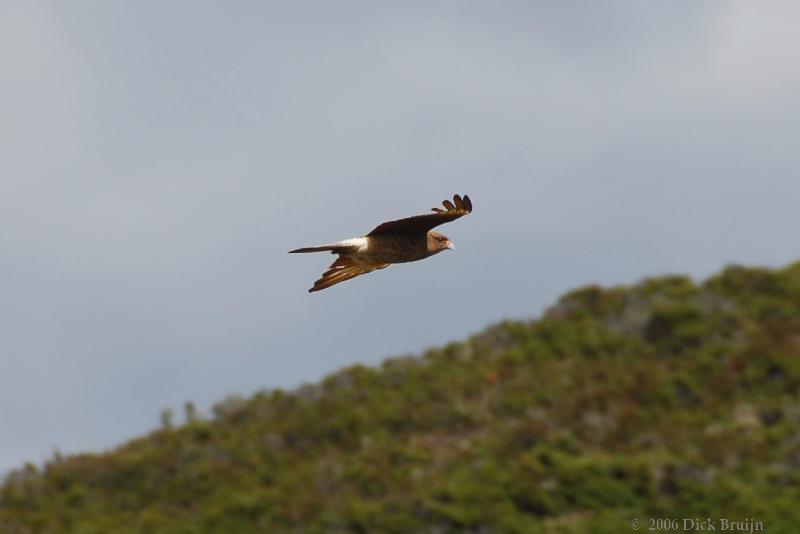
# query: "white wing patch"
[[361, 243]]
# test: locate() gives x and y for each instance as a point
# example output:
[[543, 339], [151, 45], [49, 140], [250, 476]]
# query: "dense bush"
[[667, 399]]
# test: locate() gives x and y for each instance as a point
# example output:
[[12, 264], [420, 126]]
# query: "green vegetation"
[[663, 400]]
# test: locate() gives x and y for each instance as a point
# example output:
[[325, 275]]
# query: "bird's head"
[[438, 242]]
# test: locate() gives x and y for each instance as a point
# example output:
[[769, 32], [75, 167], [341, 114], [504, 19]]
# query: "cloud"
[[753, 55]]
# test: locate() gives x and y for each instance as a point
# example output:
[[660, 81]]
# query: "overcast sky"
[[157, 160]]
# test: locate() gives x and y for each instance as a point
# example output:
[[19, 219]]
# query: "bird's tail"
[[321, 248], [340, 247]]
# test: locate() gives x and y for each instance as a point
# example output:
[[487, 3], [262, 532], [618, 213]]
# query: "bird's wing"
[[343, 269], [423, 223]]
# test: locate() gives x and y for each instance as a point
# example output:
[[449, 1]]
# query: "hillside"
[[667, 399]]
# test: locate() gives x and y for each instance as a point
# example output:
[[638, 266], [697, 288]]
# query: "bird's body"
[[400, 241], [389, 248]]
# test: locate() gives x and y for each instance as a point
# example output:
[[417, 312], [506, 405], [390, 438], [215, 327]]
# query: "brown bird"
[[399, 241]]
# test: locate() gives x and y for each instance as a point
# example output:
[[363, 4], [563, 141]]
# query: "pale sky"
[[157, 160]]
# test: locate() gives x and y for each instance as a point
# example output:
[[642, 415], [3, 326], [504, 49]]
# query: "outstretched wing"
[[423, 223], [343, 269]]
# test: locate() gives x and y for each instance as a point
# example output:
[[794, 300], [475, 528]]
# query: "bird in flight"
[[400, 241]]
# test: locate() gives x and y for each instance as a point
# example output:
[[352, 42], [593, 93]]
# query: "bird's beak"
[[450, 245]]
